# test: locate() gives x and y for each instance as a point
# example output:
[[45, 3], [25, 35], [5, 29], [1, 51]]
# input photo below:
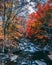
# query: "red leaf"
[[46, 7], [39, 6], [37, 16]]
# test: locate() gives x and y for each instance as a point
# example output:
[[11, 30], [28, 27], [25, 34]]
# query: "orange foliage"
[[19, 18], [8, 5], [50, 25]]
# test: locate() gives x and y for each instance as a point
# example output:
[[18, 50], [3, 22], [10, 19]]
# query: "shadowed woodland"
[[26, 31]]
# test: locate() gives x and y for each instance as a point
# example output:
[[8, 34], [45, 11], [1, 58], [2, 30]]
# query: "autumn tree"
[[39, 23]]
